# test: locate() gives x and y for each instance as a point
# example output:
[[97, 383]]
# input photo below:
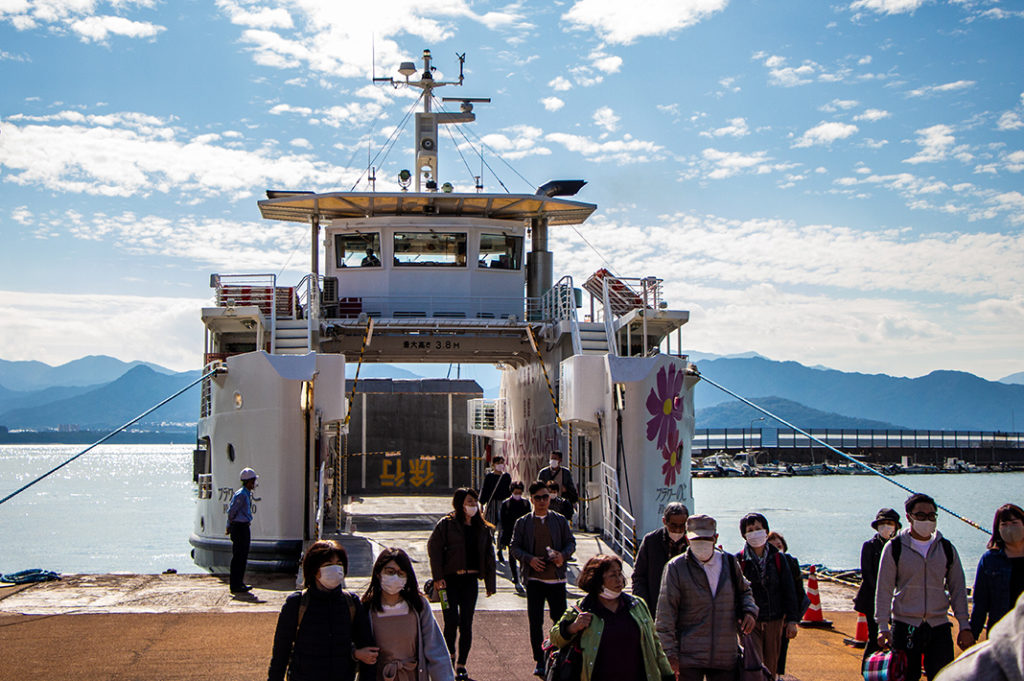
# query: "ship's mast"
[[427, 121]]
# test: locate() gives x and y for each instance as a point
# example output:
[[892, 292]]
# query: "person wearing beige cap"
[[704, 602]]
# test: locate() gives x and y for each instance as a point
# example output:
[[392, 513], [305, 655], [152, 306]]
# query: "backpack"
[[350, 598]]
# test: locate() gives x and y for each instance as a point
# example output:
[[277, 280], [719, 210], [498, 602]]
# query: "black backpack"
[[947, 547]]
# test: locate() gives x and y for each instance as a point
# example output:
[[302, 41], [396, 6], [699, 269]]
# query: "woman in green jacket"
[[632, 652]]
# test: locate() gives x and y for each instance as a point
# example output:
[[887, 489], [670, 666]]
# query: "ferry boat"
[[429, 274]]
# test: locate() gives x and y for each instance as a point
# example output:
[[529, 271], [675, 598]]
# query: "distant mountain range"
[[735, 414], [1013, 379], [102, 392]]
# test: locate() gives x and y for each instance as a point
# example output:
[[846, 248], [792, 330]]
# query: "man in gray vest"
[[704, 602]]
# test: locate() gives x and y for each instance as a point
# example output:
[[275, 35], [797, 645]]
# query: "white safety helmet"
[[248, 474]]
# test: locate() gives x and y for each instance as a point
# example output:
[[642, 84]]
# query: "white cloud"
[[301, 143], [729, 84], [789, 76], [937, 144], [872, 115], [837, 104], [133, 154], [1010, 120], [552, 103], [517, 142], [560, 84], [262, 17], [887, 6], [625, 150], [22, 215], [604, 62], [157, 329], [953, 86], [737, 127], [622, 23], [89, 19], [825, 133], [606, 118], [719, 165]]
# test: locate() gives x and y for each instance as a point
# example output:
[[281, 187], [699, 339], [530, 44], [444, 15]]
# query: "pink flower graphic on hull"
[[665, 406], [673, 459]]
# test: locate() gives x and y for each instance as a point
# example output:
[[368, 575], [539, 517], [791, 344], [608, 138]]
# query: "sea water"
[[129, 508]]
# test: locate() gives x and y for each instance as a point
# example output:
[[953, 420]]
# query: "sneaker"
[[520, 590], [242, 589], [539, 671], [461, 674]]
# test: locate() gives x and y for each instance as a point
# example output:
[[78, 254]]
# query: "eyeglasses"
[[391, 572], [542, 497], [924, 516]]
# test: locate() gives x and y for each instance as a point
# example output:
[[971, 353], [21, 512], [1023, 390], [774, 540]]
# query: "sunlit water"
[[129, 508]]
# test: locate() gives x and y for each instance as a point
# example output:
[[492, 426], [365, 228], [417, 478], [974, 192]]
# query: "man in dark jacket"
[[768, 573], [886, 524], [563, 476], [543, 543], [512, 509], [656, 549]]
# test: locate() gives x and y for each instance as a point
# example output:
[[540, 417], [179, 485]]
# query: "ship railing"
[[487, 417], [559, 304], [310, 300], [206, 392], [618, 525]]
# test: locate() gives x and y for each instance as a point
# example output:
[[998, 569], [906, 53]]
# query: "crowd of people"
[[692, 605]]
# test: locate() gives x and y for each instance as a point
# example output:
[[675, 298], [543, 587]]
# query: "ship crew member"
[[239, 519], [563, 476], [370, 260]]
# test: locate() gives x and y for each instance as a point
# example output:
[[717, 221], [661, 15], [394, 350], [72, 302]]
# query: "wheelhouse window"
[[357, 250], [433, 249], [500, 251]]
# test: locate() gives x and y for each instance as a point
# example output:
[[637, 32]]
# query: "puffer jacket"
[[447, 551], [656, 665], [1000, 658], [698, 629]]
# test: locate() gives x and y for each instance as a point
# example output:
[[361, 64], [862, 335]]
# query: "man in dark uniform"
[[239, 519]]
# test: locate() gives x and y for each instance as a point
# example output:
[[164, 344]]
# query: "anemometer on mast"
[[427, 120]]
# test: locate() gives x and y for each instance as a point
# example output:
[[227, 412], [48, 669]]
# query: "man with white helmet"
[[239, 518]]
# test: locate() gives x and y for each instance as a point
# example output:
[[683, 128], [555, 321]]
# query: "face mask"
[[499, 467], [554, 463], [609, 594], [1011, 534], [676, 536], [392, 584], [924, 528], [702, 549], [518, 496], [470, 510], [886, 531], [757, 538], [331, 576]]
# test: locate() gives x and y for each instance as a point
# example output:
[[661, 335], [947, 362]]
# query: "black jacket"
[[870, 555], [325, 639], [655, 552], [774, 594], [564, 479], [446, 549], [496, 488], [511, 511]]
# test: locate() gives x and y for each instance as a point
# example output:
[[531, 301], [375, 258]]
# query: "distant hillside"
[[92, 370], [115, 403], [950, 400], [1013, 379], [16, 399], [735, 414]]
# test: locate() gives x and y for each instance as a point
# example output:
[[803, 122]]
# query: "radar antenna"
[[427, 120]]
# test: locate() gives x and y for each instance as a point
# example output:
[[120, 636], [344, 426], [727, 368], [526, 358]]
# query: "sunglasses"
[[542, 497], [924, 516]]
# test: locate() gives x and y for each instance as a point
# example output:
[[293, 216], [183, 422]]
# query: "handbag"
[[888, 665], [432, 592], [565, 663], [749, 666]]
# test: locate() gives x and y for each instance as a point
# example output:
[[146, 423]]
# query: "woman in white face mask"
[[886, 524], [461, 551], [999, 581], [319, 627], [615, 630], [410, 642]]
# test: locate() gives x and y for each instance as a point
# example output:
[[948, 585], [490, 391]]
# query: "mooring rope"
[[217, 370], [694, 372]]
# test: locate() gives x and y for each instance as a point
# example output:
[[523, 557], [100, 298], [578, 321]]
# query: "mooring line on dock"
[[694, 372], [219, 369]]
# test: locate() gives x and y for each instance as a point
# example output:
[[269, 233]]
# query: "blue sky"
[[835, 183]]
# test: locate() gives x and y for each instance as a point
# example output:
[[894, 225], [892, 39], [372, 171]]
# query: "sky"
[[834, 183]]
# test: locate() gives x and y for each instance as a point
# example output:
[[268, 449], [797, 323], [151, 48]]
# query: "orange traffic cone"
[[813, 618], [860, 638]]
